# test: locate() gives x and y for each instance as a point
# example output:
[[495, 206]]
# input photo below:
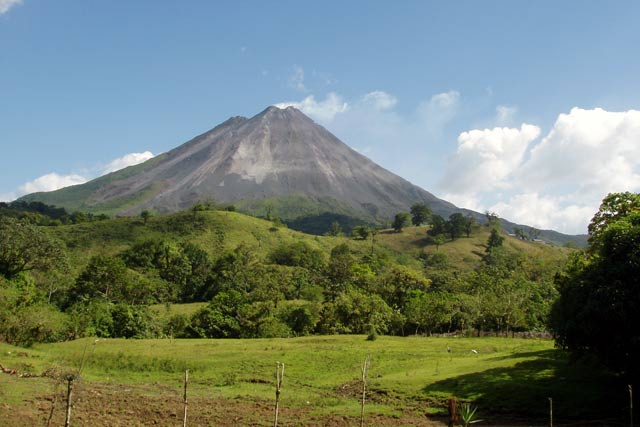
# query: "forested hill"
[[262, 279]]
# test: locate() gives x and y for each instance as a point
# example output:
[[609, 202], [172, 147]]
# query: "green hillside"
[[217, 231]]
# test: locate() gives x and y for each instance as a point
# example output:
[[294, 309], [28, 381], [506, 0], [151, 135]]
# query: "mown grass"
[[507, 376]]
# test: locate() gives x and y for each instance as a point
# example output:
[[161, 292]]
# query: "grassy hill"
[[216, 231]]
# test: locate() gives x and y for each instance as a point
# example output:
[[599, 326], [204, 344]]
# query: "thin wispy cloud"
[[6, 5], [296, 79], [505, 114], [323, 111]]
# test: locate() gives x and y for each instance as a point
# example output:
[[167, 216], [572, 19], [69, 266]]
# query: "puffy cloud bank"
[[555, 183]]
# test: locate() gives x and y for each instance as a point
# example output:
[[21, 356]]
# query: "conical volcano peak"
[[278, 153], [283, 112]]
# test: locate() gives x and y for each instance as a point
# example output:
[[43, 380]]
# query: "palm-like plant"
[[468, 414]]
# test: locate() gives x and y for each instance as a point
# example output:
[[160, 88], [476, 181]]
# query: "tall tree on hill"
[[456, 225], [145, 215], [400, 221], [420, 214], [495, 240], [470, 225], [493, 220], [438, 226]]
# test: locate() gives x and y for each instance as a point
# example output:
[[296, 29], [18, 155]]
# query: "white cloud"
[[49, 182], [380, 100], [54, 181], [557, 183], [322, 111], [7, 197], [505, 114], [296, 79], [434, 114], [5, 5], [465, 200], [445, 100], [127, 160], [486, 159], [603, 150], [545, 212]]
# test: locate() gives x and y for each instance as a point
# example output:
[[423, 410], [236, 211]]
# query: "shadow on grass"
[[579, 390]]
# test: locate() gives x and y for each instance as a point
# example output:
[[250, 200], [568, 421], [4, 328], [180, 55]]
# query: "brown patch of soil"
[[118, 405]]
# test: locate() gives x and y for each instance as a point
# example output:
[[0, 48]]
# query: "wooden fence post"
[[364, 369], [279, 378], [70, 378], [186, 403]]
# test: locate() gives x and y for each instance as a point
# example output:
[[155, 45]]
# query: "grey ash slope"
[[279, 156]]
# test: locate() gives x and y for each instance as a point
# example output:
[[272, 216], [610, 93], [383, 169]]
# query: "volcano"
[[278, 162]]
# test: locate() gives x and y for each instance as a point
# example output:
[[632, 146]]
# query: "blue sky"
[[528, 109]]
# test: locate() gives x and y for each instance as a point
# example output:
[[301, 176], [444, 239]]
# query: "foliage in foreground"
[[598, 311]]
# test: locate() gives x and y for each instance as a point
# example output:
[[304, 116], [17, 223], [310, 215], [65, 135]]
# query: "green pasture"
[[507, 376]]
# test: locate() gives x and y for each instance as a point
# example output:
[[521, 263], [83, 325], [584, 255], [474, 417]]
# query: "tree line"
[[293, 289]]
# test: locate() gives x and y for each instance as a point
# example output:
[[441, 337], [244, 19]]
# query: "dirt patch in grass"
[[116, 405]]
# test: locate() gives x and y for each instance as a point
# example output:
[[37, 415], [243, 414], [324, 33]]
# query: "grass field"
[[410, 380]]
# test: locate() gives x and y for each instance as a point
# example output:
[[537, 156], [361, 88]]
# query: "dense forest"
[[65, 276]]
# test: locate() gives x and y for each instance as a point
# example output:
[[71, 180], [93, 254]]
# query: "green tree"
[[429, 311], [108, 278], [25, 247], [400, 221], [394, 286], [613, 207], [219, 319], [598, 310], [297, 254], [493, 220], [339, 270], [456, 225], [335, 229], [360, 232], [145, 215], [356, 312], [438, 226], [495, 240], [420, 214], [470, 225]]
